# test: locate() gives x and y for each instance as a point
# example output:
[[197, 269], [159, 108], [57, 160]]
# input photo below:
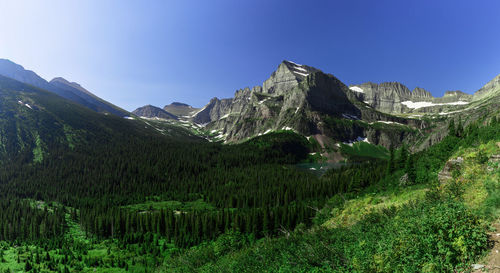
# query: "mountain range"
[[60, 86], [295, 97], [319, 106]]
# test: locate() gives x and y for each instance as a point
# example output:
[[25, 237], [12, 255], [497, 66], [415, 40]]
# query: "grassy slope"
[[362, 150], [385, 228]]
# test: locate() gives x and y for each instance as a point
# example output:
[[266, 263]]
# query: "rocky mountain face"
[[308, 101], [395, 98], [150, 111], [322, 108], [59, 81], [61, 87], [491, 89], [180, 109]]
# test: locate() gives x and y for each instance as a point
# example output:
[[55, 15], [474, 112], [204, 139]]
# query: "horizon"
[[137, 54]]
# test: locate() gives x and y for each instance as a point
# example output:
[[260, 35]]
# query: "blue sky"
[[133, 53]]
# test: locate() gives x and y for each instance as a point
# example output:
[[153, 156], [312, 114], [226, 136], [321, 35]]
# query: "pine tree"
[[410, 169], [403, 156], [390, 163], [451, 127], [460, 128]]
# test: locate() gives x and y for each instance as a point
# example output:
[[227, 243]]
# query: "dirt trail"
[[491, 263]]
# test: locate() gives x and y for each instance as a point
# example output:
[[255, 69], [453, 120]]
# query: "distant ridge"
[[60, 86]]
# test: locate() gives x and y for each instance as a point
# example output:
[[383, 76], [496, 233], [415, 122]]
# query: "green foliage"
[[410, 169], [361, 151], [391, 164], [419, 236]]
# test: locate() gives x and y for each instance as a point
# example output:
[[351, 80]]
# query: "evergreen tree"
[[460, 128], [451, 128], [391, 162], [403, 157], [410, 169]]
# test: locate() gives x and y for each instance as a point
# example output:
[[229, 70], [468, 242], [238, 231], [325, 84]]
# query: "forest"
[[161, 199]]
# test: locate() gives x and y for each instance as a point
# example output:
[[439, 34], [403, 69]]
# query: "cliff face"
[[306, 100], [318, 105], [491, 89], [395, 98]]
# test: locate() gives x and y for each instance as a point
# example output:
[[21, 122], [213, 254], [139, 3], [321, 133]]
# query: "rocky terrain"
[[319, 106]]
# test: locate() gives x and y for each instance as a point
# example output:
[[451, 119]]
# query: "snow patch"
[[224, 116], [300, 68], [358, 139], [348, 116], [294, 63], [297, 110], [264, 100], [387, 122], [127, 117], [302, 74], [197, 112], [357, 89], [449, 113], [29, 106], [287, 129], [421, 104]]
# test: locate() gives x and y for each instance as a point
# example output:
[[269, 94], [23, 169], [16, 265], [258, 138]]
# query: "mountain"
[[150, 111], [306, 100], [61, 87], [396, 98], [35, 123], [320, 107], [491, 89], [180, 109]]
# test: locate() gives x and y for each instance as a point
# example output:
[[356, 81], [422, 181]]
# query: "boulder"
[[450, 166]]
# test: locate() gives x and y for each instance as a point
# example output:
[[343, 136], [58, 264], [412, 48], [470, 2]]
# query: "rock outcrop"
[[396, 98], [451, 165], [300, 98], [492, 88]]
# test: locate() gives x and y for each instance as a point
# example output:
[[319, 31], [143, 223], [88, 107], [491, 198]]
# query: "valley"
[[302, 173]]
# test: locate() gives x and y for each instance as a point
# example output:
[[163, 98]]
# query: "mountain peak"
[[150, 111], [298, 69], [175, 103], [62, 81], [17, 72]]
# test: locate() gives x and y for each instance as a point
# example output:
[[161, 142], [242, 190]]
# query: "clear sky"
[[134, 53]]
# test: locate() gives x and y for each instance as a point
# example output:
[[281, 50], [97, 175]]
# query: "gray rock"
[[477, 266], [490, 89], [301, 98], [389, 97], [451, 165], [495, 158]]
